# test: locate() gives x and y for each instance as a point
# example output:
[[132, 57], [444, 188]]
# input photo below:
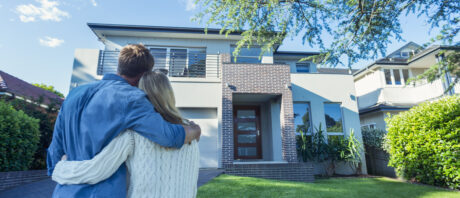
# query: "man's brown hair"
[[134, 60]]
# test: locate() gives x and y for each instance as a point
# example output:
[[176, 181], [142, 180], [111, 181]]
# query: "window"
[[405, 54], [405, 75], [369, 126], [180, 62], [302, 119], [247, 55], [397, 76], [333, 116], [302, 67], [387, 76]]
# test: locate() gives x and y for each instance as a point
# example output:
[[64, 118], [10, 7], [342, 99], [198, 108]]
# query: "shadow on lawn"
[[231, 186]]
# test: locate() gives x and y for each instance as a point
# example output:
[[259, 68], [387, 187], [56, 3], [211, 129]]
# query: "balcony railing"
[[190, 65]]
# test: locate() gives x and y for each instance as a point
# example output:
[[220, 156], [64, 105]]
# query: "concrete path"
[[44, 188]]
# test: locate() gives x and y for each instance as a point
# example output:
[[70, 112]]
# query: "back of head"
[[134, 60], [159, 91]]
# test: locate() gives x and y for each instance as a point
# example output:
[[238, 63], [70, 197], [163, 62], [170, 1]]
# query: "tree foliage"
[[19, 136], [49, 88], [360, 29]]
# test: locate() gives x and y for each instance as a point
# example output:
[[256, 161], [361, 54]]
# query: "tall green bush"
[[373, 138], [19, 136], [424, 142]]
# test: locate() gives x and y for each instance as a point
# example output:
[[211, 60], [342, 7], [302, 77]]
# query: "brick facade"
[[257, 79], [302, 172]]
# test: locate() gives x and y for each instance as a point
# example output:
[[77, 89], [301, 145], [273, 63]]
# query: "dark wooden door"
[[246, 132]]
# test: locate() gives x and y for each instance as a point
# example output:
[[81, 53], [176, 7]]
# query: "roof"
[[18, 87], [399, 61], [295, 53], [335, 70], [385, 107], [167, 29]]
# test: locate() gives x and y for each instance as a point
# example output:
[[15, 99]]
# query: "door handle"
[[258, 133]]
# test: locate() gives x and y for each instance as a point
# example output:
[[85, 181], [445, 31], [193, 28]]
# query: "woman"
[[155, 171]]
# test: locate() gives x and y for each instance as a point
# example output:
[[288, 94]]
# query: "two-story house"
[[249, 108], [382, 86]]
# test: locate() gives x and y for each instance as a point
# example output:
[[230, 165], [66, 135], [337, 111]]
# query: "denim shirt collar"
[[114, 77]]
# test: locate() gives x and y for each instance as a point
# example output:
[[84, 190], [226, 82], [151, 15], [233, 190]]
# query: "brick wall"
[[257, 79], [302, 172], [16, 178]]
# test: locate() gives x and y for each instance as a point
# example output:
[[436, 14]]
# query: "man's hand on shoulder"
[[192, 132]]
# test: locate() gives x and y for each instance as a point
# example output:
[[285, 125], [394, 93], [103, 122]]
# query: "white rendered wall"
[[84, 67], [318, 89]]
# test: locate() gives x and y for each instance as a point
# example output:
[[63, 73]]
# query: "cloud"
[[189, 5], [50, 41], [46, 11], [94, 3]]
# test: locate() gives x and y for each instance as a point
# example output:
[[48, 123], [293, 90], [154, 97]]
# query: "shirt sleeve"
[[56, 149], [100, 167], [143, 119]]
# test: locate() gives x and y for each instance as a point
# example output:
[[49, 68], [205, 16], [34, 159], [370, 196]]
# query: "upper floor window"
[[251, 55], [396, 76], [302, 118], [333, 116], [405, 54], [180, 62], [302, 67]]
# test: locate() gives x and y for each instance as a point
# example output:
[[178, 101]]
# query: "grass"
[[232, 186]]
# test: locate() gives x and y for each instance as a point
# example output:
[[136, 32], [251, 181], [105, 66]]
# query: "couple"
[[104, 126]]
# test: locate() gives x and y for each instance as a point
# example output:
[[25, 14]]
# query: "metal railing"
[[178, 64]]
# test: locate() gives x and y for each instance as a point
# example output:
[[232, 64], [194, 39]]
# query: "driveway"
[[44, 188]]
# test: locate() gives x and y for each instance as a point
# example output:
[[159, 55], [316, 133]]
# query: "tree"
[[360, 29], [49, 88]]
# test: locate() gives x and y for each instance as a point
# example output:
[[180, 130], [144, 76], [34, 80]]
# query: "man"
[[93, 114]]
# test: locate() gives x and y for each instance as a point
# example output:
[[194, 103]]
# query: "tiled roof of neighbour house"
[[18, 87], [335, 70], [402, 61]]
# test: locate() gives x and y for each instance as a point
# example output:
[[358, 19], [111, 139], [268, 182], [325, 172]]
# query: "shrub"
[[47, 117], [19, 136], [373, 138], [424, 142]]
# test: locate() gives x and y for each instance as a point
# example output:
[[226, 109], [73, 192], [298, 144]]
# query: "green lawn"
[[232, 186]]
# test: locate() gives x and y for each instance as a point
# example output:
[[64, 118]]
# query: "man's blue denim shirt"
[[93, 115]]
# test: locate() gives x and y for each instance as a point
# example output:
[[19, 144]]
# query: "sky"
[[38, 37]]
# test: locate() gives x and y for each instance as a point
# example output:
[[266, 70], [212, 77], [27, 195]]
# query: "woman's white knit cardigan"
[[155, 171]]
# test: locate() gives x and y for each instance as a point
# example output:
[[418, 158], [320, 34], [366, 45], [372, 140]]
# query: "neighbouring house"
[[382, 87], [249, 108], [15, 88]]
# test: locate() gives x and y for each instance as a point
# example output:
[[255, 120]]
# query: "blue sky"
[[38, 37]]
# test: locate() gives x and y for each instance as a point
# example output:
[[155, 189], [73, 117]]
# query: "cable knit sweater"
[[155, 171]]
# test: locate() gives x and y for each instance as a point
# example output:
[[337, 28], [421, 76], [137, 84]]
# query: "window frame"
[[259, 57], [307, 64], [341, 117], [309, 133], [399, 70]]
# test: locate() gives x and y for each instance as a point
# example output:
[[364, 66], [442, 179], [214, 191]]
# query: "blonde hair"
[[159, 91]]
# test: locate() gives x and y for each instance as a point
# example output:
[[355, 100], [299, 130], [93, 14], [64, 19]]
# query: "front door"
[[246, 131]]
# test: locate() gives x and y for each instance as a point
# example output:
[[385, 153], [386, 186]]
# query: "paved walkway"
[[44, 188]]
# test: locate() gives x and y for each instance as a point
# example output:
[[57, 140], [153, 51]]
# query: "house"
[[382, 87], [13, 87], [249, 107]]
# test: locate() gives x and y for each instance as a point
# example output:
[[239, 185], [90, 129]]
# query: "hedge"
[[424, 143], [19, 136]]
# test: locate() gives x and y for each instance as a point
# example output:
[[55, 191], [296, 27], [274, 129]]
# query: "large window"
[[396, 76], [180, 62], [302, 67], [302, 119], [251, 55], [333, 116]]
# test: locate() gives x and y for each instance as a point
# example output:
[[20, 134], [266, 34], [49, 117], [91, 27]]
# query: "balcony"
[[178, 64], [408, 94]]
